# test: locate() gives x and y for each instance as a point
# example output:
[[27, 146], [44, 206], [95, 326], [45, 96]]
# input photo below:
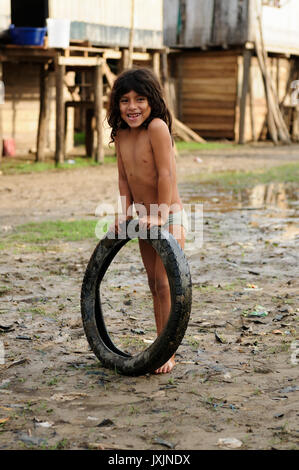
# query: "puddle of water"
[[271, 209], [273, 195]]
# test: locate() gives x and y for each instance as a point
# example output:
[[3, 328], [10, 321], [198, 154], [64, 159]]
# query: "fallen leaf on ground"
[[4, 420]]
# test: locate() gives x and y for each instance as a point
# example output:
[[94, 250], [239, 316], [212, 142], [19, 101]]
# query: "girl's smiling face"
[[134, 109]]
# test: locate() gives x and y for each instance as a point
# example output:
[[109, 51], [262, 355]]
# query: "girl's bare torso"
[[141, 170]]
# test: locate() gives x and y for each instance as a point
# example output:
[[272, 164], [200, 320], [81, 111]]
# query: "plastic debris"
[[219, 338], [138, 331], [105, 422], [160, 441], [31, 439], [230, 442], [252, 287], [259, 311], [42, 424], [292, 388]]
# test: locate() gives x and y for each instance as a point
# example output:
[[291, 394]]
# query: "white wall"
[[5, 19], [281, 27]]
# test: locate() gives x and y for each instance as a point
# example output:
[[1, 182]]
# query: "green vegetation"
[[35, 235], [79, 138], [4, 290], [189, 146], [14, 166]]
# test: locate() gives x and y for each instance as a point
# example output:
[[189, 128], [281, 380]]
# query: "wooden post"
[[83, 94], [276, 123], [251, 101], [1, 117], [98, 111], [295, 124], [246, 71], [60, 114], [124, 64], [43, 112], [180, 67], [156, 63], [131, 37], [165, 79], [89, 130]]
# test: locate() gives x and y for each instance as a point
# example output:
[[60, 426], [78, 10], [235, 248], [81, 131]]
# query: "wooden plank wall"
[[207, 91]]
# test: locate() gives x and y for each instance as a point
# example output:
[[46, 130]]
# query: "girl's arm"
[[124, 190], [162, 149]]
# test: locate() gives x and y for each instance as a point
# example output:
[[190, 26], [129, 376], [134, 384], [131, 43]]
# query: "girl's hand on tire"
[[119, 220], [149, 221]]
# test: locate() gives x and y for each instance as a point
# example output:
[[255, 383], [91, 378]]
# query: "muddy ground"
[[237, 368]]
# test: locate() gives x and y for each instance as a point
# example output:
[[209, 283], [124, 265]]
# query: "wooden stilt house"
[[234, 66], [50, 90]]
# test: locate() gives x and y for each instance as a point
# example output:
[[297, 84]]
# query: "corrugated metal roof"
[[148, 14]]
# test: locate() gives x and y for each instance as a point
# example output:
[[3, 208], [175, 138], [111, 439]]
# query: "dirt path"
[[237, 371]]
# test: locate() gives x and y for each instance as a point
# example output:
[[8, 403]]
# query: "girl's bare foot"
[[167, 367]]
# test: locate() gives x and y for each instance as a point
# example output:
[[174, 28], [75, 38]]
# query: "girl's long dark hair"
[[144, 82]]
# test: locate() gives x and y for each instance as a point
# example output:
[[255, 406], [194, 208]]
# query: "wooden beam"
[[80, 61], [60, 114], [98, 111], [124, 63], [245, 84], [111, 77], [146, 56], [186, 133], [43, 114], [111, 54]]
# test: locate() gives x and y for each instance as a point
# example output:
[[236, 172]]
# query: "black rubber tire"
[[168, 341]]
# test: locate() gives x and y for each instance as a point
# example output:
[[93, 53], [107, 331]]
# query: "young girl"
[[141, 130]]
